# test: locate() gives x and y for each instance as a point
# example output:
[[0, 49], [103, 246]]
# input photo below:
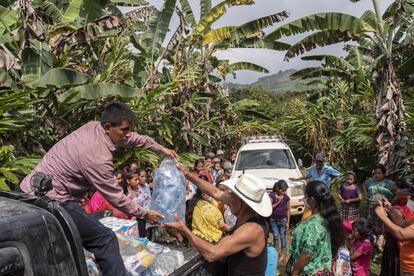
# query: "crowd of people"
[[231, 217], [329, 240]]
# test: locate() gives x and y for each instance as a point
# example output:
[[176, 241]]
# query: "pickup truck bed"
[[38, 237]]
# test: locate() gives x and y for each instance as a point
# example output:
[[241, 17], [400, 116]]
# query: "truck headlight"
[[296, 191]]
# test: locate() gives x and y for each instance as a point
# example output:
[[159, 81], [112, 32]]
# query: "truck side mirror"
[[300, 163]]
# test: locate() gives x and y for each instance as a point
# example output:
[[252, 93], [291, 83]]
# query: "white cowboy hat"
[[252, 191]]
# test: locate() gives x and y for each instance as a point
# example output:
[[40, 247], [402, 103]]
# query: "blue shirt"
[[327, 174]]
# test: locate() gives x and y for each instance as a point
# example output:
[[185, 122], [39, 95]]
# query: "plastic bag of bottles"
[[168, 197]]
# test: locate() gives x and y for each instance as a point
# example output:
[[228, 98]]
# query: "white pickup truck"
[[272, 160]]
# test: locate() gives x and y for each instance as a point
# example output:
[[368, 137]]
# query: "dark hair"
[[198, 162], [140, 170], [203, 177], [363, 226], [190, 208], [280, 185], [328, 211], [128, 175], [115, 113], [117, 171], [381, 167]]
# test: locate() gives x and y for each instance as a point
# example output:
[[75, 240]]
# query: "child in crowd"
[[205, 218], [360, 247], [216, 170], [118, 175], [350, 196], [280, 218], [98, 203], [135, 182]]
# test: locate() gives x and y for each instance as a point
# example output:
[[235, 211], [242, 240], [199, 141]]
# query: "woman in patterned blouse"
[[317, 239]]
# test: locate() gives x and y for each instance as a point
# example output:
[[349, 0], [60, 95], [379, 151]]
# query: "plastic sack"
[[137, 258], [166, 260], [168, 196], [121, 226], [342, 264]]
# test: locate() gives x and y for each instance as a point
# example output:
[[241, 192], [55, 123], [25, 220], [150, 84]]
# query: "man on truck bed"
[[82, 160]]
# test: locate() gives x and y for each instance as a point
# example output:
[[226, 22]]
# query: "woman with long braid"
[[316, 240]]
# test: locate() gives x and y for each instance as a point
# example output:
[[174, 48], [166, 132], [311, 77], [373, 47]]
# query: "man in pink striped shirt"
[[83, 160]]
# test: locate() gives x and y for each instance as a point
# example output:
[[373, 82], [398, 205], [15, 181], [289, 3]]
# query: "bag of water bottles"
[[168, 197]]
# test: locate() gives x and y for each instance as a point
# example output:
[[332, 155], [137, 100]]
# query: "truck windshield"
[[265, 159]]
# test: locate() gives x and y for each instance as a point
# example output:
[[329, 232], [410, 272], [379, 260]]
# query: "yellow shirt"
[[407, 254], [206, 221]]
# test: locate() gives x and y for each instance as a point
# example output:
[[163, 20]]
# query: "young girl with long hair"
[[361, 248], [135, 183], [350, 196]]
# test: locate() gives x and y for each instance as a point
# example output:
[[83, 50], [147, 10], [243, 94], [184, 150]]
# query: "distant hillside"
[[277, 83]]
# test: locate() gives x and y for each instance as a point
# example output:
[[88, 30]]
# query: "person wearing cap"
[[246, 246], [320, 172], [402, 230], [228, 169]]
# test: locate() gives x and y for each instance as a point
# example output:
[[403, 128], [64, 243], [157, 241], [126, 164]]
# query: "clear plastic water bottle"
[[168, 196]]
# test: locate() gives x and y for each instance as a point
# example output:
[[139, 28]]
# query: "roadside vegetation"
[[62, 61]]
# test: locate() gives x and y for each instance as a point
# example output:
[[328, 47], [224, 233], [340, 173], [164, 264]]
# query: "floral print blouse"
[[141, 195], [312, 237]]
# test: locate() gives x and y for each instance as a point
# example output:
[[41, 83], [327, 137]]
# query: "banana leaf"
[[188, 12], [60, 77], [244, 66], [98, 91], [153, 38], [322, 22]]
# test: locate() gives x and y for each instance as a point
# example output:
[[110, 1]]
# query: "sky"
[[269, 59]]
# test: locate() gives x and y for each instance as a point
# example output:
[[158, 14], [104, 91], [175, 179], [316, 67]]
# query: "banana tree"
[[385, 31]]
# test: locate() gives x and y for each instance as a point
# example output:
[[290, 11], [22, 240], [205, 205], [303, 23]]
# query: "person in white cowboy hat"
[[246, 246]]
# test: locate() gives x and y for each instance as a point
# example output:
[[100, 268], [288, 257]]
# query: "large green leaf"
[[250, 29], [83, 11], [215, 13], [322, 22], [60, 77], [320, 39], [205, 7], [255, 27], [244, 66], [200, 139], [188, 12], [50, 10], [129, 2], [97, 91], [313, 72], [407, 68], [35, 62], [3, 185], [153, 38], [257, 43], [332, 61], [11, 176], [218, 34], [8, 19]]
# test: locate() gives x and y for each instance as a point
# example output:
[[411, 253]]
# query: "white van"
[[271, 159]]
